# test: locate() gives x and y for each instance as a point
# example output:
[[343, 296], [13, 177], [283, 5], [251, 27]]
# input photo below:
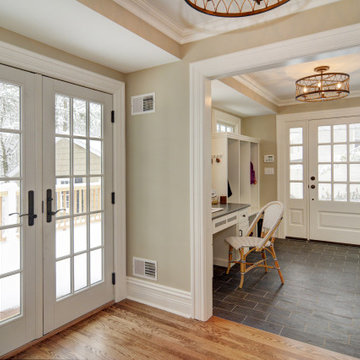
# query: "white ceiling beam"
[[243, 89], [131, 22]]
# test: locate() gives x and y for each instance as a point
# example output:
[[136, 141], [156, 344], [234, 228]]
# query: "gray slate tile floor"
[[319, 303]]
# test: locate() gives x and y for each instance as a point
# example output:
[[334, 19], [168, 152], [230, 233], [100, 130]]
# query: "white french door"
[[56, 213], [323, 179], [77, 186], [334, 186], [18, 179]]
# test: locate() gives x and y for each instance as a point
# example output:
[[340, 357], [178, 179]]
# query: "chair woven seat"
[[271, 214], [238, 242]]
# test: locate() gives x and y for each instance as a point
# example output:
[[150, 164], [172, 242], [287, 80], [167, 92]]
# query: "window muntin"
[[296, 163], [11, 187], [339, 162], [224, 127], [79, 183]]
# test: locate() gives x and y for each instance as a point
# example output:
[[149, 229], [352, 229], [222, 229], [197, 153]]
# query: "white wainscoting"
[[159, 296]]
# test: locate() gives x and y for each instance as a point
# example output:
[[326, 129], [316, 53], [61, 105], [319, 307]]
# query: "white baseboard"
[[224, 262], [159, 296], [221, 262]]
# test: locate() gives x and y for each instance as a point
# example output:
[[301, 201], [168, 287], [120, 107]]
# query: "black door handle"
[[312, 186], [49, 212], [30, 214], [312, 178]]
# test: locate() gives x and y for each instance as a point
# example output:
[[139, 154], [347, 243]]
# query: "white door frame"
[[281, 122], [307, 48], [30, 61]]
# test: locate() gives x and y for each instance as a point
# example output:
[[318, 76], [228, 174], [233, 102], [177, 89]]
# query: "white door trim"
[[281, 121], [31, 61], [307, 48]]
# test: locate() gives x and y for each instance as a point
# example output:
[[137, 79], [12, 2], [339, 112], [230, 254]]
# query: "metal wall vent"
[[143, 104], [145, 268]]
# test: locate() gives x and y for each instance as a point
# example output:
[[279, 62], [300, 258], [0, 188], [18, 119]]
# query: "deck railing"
[[63, 201]]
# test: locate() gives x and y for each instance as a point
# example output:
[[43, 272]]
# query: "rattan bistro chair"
[[272, 214]]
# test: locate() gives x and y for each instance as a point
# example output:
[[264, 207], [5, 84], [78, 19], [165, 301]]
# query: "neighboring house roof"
[[94, 150]]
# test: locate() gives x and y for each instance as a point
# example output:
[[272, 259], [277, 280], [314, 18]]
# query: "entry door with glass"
[[323, 180], [77, 186], [334, 180], [17, 209]]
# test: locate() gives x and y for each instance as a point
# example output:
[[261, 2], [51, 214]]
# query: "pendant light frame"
[[234, 8], [324, 86]]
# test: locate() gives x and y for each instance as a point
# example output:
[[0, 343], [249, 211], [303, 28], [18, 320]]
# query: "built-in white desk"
[[227, 222]]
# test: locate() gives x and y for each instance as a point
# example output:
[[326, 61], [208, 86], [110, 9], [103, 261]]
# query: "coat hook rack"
[[217, 158]]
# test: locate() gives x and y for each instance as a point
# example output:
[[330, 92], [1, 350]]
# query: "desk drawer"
[[243, 216], [232, 219], [225, 222]]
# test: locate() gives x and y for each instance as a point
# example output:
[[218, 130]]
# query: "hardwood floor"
[[129, 330]]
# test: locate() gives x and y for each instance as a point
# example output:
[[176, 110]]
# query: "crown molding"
[[214, 26], [159, 20], [256, 87], [265, 93]]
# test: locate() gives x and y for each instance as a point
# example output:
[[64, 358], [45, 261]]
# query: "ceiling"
[[227, 99], [183, 24], [74, 28], [278, 85]]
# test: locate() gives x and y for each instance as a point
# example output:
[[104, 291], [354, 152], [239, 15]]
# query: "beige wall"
[[51, 52], [158, 174], [264, 128]]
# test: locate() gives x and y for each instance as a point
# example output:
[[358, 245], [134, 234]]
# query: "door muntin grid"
[[11, 188], [338, 162], [79, 190]]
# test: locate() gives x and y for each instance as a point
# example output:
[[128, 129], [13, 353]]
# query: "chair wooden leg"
[[242, 267], [230, 259], [277, 266], [263, 254]]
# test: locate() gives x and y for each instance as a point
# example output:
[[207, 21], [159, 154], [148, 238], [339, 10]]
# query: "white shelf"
[[235, 153], [236, 137]]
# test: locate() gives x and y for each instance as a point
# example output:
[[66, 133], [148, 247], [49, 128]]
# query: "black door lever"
[[49, 212], [30, 214]]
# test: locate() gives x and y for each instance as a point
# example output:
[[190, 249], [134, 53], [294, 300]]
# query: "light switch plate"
[[269, 171]]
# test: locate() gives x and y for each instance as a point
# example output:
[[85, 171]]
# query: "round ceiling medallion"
[[234, 8]]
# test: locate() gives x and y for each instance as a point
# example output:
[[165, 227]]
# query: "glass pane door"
[[11, 266], [17, 238], [79, 201], [78, 162], [335, 180]]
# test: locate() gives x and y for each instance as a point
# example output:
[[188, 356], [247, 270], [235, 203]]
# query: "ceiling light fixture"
[[234, 8], [323, 86]]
